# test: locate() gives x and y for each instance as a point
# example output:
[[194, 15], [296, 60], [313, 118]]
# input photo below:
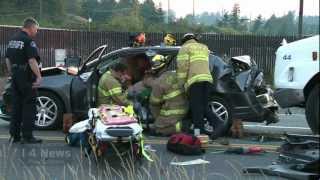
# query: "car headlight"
[[258, 80]]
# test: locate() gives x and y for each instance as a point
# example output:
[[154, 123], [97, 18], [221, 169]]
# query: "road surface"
[[54, 160]]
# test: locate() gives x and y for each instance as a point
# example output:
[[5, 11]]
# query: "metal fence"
[[81, 43]]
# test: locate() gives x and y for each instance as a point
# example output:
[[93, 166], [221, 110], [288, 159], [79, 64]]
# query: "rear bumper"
[[289, 97]]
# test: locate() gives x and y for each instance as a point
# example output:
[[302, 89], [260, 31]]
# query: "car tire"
[[49, 111], [223, 109], [312, 109]]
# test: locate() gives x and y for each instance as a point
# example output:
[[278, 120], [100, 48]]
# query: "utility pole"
[[300, 19], [40, 10], [193, 12], [168, 11]]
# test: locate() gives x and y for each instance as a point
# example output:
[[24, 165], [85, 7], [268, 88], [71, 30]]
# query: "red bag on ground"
[[185, 144]]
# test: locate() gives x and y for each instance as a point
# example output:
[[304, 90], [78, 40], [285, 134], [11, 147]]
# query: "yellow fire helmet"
[[169, 40], [158, 62]]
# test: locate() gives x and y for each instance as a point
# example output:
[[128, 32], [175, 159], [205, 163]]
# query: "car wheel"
[[223, 110], [312, 109], [49, 111]]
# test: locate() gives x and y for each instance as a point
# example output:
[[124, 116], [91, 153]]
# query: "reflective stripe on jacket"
[[168, 96], [193, 64], [110, 91]]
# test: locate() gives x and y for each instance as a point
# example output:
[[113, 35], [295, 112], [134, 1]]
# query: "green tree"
[[150, 13], [269, 26], [235, 16], [225, 21], [125, 7], [287, 24], [311, 25], [126, 23], [88, 7], [284, 25], [73, 6], [257, 24]]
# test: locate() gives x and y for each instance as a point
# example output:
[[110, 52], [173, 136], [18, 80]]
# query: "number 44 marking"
[[286, 57]]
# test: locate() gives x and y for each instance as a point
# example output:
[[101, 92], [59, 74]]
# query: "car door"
[[81, 98]]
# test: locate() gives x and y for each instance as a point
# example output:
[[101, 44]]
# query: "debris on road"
[[149, 148], [192, 162], [286, 171], [245, 150], [298, 159]]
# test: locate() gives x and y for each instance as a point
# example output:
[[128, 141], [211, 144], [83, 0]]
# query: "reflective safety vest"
[[110, 91], [193, 64], [169, 96]]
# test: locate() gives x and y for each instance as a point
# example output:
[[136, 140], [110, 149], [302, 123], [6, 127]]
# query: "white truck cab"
[[297, 77]]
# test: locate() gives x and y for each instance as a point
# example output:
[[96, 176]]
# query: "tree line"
[[146, 16]]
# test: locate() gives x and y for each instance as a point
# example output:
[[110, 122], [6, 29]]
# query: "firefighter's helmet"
[[188, 37], [158, 62], [169, 40], [138, 40]]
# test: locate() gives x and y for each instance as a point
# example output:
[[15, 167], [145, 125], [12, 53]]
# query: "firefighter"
[[21, 59], [194, 75], [110, 87], [137, 40], [169, 40], [167, 101]]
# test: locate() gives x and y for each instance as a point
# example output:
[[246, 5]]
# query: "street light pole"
[[300, 19], [89, 21], [193, 10], [168, 11]]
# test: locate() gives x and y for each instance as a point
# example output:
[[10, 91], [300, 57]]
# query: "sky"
[[249, 8]]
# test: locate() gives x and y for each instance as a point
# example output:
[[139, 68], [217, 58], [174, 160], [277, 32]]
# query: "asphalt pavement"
[[54, 160], [292, 121]]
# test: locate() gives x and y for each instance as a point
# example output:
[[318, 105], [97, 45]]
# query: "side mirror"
[[72, 61]]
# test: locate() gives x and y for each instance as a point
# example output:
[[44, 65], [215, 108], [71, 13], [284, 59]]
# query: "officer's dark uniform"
[[20, 49]]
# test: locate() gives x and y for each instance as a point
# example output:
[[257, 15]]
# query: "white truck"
[[297, 77]]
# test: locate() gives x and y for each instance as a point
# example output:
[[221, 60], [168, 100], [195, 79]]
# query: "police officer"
[[21, 60], [194, 74]]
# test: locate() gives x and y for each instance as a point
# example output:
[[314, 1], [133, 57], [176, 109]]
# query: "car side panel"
[[60, 85]]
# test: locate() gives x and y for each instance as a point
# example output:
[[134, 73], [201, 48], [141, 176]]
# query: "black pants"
[[23, 104], [198, 104]]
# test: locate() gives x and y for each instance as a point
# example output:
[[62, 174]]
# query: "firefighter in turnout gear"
[[167, 101], [194, 75], [137, 39], [110, 88]]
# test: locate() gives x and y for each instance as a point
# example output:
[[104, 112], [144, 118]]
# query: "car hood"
[[51, 71]]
